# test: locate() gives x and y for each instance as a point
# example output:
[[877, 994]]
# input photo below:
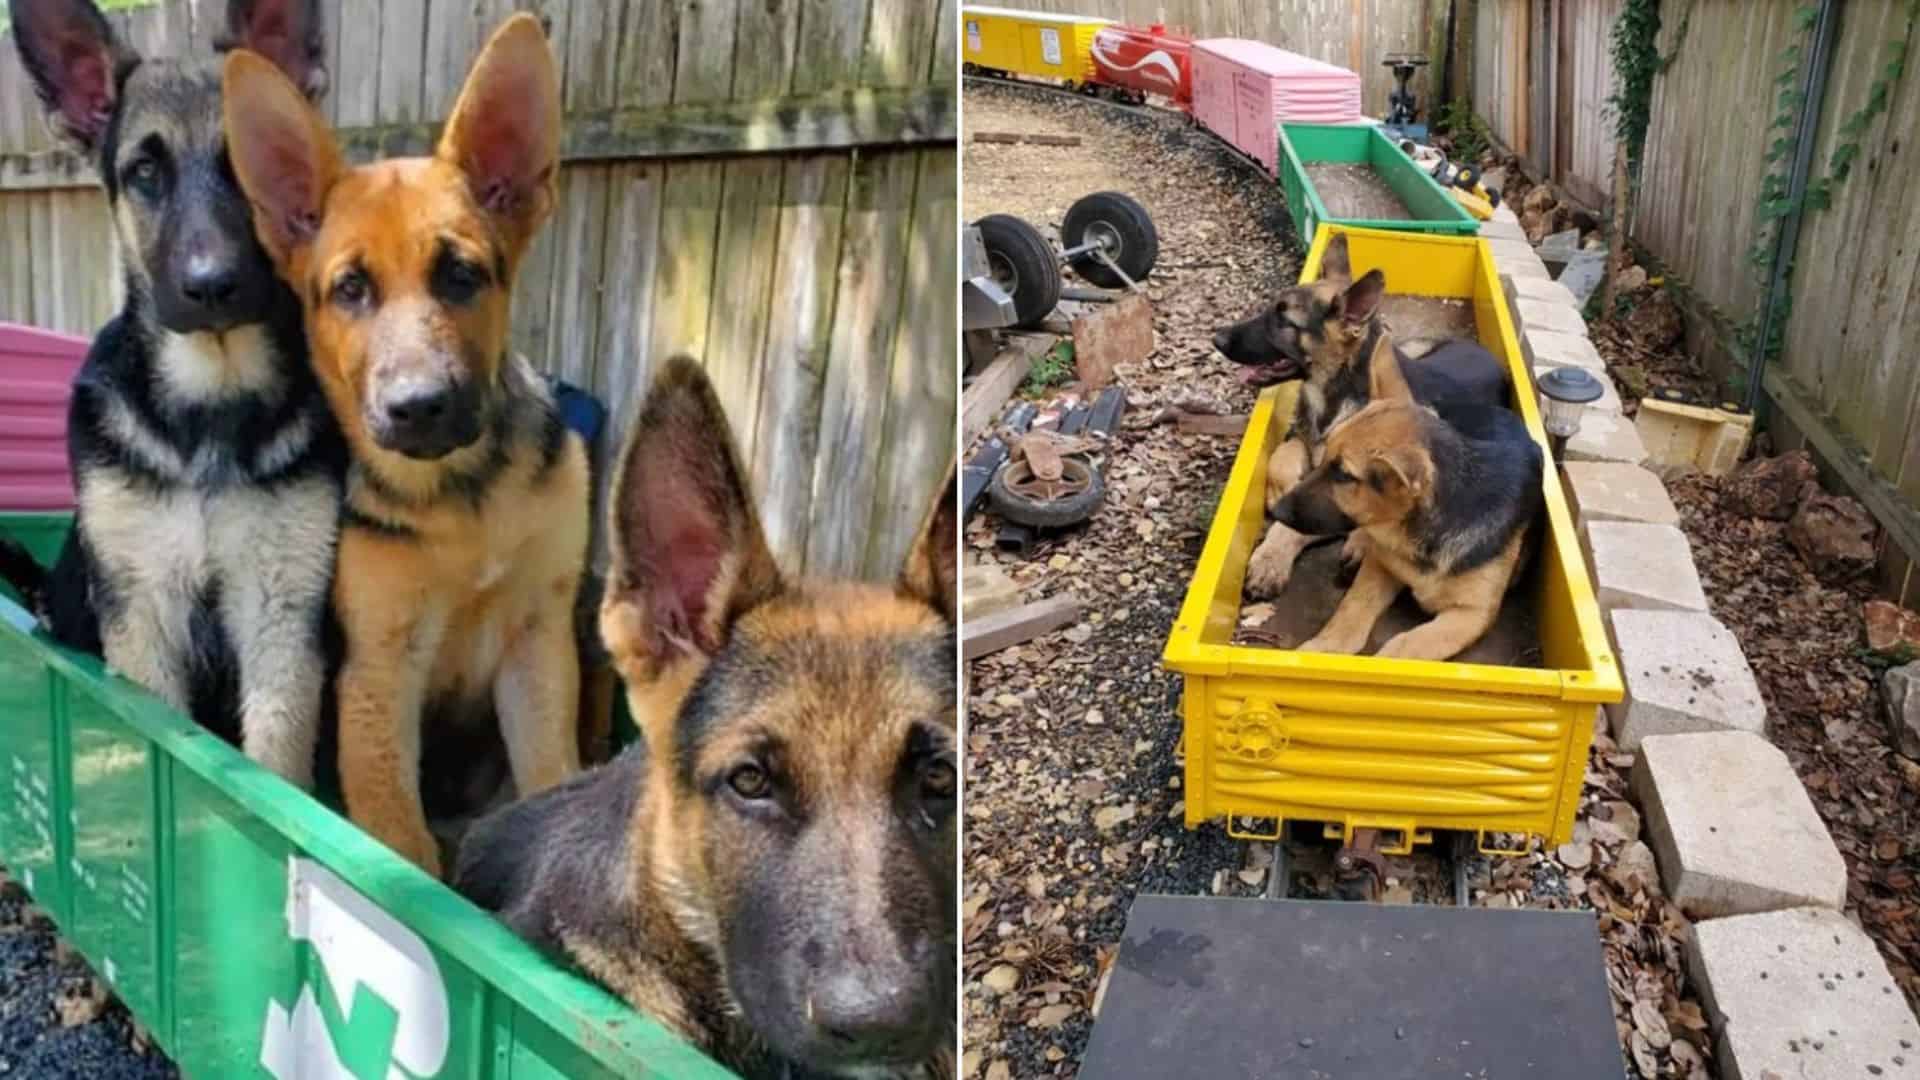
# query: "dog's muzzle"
[[425, 419], [1309, 509]]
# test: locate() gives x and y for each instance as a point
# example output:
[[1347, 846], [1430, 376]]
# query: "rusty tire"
[[1018, 496]]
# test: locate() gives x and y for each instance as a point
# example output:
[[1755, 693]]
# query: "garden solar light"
[[1564, 393]]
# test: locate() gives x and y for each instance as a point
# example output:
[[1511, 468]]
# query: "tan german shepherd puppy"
[[1443, 506], [770, 871], [464, 534]]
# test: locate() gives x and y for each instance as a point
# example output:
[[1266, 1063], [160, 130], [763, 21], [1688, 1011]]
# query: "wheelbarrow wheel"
[[1025, 499], [1122, 227], [1023, 264]]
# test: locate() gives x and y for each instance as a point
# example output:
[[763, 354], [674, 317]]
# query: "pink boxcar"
[[36, 381], [1243, 90]]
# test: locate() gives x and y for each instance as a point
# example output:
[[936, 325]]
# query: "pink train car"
[[36, 380], [1243, 90]]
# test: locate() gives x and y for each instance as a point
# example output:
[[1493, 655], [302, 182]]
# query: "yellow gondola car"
[[1363, 742], [1046, 46]]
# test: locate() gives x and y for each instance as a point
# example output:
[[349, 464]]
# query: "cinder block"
[[1642, 566], [1803, 994], [1616, 491], [1505, 213], [1498, 228], [1548, 348], [1515, 252], [1735, 832], [1547, 315], [1603, 437], [1683, 672], [1540, 289], [1608, 403], [1518, 268]]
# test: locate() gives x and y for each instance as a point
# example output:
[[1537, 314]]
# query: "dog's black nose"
[[211, 285], [869, 1018], [420, 411]]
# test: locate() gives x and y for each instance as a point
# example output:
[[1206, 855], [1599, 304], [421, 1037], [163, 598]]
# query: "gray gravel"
[[55, 1019]]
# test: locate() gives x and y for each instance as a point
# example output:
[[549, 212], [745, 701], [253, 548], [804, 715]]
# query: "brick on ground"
[[1603, 437], [1547, 315], [1539, 289], [1608, 403], [1801, 994], [1637, 565], [1734, 831], [1683, 672], [1496, 228], [1551, 348], [1616, 491]]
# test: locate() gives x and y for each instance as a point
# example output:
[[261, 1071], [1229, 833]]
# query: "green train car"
[[253, 930]]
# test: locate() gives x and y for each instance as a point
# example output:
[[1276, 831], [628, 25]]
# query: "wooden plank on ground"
[[989, 391], [1202, 424], [1005, 629]]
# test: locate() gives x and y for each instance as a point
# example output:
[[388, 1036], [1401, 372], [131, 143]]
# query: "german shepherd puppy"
[[464, 535], [207, 466], [1329, 334], [770, 871], [1444, 506]]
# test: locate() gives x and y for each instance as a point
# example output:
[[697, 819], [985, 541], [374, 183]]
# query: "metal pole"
[[1813, 87]]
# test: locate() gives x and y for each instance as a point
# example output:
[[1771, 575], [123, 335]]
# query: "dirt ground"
[[1073, 797]]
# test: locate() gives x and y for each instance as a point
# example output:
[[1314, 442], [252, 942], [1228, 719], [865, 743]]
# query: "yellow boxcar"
[[1029, 43], [1404, 746]]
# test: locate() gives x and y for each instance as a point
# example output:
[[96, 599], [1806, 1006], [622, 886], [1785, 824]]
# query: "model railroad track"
[[1097, 96], [1361, 868]]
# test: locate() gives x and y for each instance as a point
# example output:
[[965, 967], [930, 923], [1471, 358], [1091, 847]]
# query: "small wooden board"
[[1202, 424], [1004, 629]]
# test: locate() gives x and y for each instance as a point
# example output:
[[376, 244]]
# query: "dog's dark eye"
[[1338, 474], [457, 280], [143, 177], [750, 782], [352, 289], [938, 780]]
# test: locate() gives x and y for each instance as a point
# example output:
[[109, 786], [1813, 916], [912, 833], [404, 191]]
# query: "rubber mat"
[[1323, 990]]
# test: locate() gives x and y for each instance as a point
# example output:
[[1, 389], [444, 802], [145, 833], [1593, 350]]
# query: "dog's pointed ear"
[[283, 153], [75, 62], [931, 573], [504, 133], [688, 555], [287, 32], [1334, 265], [1362, 298], [1399, 470], [1385, 380]]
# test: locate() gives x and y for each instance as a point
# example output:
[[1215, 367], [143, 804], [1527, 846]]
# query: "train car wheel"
[[1122, 227], [1023, 264]]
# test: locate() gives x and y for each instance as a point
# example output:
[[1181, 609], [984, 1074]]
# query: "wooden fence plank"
[[648, 52], [899, 35], [356, 85], [46, 290], [593, 56], [764, 50], [832, 33], [683, 275], [796, 358], [579, 253], [403, 56], [703, 68], [872, 266], [625, 366], [16, 260], [744, 258], [918, 447]]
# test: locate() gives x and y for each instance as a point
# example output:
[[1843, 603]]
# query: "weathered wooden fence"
[[1845, 380], [1355, 34], [768, 185]]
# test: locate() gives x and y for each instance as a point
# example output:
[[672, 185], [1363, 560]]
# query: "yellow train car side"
[[1404, 746], [1032, 44]]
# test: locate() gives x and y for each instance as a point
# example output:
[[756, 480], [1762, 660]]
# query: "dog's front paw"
[[1271, 565], [1327, 643], [1354, 550]]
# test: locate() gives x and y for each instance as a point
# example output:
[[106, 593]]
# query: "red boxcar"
[[1149, 60]]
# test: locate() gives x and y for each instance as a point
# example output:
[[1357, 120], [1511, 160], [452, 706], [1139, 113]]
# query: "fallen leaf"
[[1001, 979], [1053, 1016]]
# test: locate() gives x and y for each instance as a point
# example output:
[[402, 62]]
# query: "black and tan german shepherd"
[[1329, 334], [464, 531], [207, 467], [1446, 507], [770, 872]]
